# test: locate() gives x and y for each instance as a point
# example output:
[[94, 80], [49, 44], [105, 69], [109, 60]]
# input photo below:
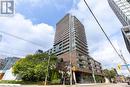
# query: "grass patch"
[[20, 82], [55, 82]]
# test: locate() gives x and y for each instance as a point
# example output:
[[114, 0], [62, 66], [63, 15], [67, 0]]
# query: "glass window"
[[128, 1]]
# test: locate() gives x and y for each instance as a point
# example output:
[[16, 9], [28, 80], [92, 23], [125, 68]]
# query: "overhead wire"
[[5, 52], [120, 55], [20, 38], [24, 51]]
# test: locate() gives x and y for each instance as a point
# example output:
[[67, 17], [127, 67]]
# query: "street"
[[78, 85]]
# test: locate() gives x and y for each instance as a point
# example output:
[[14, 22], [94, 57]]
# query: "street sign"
[[119, 66], [126, 65]]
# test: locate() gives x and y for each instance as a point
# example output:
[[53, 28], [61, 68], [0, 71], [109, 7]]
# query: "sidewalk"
[[78, 85]]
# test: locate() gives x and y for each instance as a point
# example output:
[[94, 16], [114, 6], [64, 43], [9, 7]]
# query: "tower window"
[[128, 1]]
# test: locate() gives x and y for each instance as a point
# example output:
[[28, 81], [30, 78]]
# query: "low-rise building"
[[7, 64], [2, 63]]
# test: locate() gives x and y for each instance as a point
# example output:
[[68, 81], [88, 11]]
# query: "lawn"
[[20, 82]]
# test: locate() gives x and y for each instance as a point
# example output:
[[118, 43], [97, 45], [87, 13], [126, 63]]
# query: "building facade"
[[122, 10], [126, 35], [70, 38], [70, 44], [7, 64], [2, 63]]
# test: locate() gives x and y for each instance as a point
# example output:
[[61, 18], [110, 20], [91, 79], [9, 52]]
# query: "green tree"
[[34, 67], [109, 73]]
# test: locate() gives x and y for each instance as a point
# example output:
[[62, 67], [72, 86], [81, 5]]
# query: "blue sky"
[[35, 20], [49, 12]]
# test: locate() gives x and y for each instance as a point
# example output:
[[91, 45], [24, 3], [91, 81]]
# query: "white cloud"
[[100, 49], [41, 34]]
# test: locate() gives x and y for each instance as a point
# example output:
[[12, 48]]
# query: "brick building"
[[70, 44]]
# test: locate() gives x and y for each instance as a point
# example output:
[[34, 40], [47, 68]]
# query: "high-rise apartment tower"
[[122, 10], [70, 44], [70, 37]]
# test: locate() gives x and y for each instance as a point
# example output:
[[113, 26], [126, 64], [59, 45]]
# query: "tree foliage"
[[109, 73], [34, 67]]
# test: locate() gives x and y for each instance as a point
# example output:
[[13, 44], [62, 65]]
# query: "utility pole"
[[47, 70], [70, 71], [70, 28], [93, 73], [0, 38], [124, 61]]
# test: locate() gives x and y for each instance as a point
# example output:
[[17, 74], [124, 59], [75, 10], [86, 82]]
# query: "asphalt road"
[[78, 85]]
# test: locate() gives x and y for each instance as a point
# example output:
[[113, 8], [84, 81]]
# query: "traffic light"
[[119, 66]]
